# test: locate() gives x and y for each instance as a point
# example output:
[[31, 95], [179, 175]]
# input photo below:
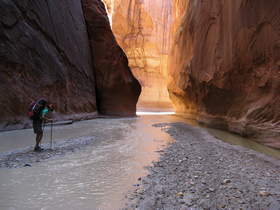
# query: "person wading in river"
[[40, 110]]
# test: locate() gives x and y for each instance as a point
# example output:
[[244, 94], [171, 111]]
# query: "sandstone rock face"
[[225, 65], [142, 29], [44, 51], [116, 88]]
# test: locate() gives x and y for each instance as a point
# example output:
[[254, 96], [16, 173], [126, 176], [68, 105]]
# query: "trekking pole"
[[42, 133], [51, 135]]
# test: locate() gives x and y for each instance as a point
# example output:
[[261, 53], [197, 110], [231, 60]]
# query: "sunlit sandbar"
[[155, 113]]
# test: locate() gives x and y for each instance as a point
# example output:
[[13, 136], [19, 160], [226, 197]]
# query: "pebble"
[[264, 193], [27, 165], [226, 181], [180, 194]]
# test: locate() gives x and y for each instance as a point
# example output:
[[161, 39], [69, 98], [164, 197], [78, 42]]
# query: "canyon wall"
[[44, 52], [225, 65], [142, 29], [117, 90]]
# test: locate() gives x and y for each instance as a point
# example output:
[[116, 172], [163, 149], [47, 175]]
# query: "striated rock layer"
[[44, 51], [142, 29], [225, 65], [116, 88]]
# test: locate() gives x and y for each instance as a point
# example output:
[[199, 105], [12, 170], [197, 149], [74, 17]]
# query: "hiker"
[[40, 110]]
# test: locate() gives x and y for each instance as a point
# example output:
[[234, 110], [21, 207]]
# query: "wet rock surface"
[[224, 66], [116, 87], [201, 172]]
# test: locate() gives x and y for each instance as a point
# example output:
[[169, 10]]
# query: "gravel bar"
[[198, 171]]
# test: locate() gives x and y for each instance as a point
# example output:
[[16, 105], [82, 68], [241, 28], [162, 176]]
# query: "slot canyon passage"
[[216, 64]]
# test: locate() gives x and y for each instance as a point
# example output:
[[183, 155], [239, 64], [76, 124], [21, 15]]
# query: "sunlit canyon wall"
[[48, 50], [142, 28], [225, 65]]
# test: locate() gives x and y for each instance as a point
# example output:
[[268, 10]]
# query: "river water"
[[94, 163], [96, 176]]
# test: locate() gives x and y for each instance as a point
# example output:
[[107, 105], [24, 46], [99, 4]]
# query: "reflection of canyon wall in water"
[[142, 30], [225, 65]]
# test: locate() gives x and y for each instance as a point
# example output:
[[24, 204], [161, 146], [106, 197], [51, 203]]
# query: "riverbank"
[[199, 171], [22, 122]]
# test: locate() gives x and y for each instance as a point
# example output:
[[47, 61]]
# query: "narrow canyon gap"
[[218, 59], [221, 60], [142, 28]]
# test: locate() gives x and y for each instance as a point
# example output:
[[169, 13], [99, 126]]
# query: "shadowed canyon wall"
[[142, 28], [45, 51], [225, 65], [116, 88]]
